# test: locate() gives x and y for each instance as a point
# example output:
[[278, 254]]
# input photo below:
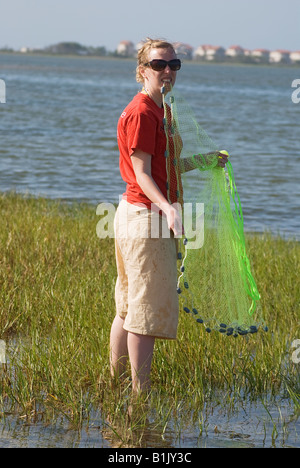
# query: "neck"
[[157, 98]]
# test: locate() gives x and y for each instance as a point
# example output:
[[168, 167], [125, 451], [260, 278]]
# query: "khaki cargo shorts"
[[146, 294]]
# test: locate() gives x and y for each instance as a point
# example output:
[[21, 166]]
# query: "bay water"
[[58, 130]]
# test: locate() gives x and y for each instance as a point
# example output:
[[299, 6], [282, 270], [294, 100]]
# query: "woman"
[[146, 296]]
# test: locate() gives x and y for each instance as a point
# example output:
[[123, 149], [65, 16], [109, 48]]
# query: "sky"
[[268, 24]]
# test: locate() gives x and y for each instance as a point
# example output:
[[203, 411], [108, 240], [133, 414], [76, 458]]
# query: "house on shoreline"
[[184, 50], [126, 49], [235, 52], [295, 57], [260, 55], [280, 56], [209, 53]]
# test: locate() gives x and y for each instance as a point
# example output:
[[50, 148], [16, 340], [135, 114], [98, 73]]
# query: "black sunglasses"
[[160, 65]]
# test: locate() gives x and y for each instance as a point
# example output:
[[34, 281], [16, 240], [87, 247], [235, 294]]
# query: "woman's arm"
[[141, 163]]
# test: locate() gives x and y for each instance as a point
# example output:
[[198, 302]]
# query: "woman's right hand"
[[174, 219]]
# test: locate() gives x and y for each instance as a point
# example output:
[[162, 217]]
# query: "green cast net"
[[215, 282]]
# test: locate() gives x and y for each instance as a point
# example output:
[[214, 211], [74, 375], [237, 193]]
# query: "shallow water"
[[256, 425], [58, 130]]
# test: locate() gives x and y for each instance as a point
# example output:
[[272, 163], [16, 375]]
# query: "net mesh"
[[215, 282]]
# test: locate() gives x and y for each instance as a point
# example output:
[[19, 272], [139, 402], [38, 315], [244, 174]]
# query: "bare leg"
[[140, 349], [118, 347]]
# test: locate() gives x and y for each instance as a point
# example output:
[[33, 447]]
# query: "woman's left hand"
[[222, 159]]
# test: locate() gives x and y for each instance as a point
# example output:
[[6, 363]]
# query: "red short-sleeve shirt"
[[141, 127]]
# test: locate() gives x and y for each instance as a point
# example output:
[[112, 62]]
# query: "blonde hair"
[[143, 53]]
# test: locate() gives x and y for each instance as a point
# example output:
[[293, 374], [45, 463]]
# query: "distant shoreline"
[[226, 62]]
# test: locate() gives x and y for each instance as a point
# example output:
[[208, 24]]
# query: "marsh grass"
[[57, 304]]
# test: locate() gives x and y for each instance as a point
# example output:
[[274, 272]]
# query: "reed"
[[57, 304]]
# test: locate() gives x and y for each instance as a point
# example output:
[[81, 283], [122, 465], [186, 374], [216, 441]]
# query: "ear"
[[143, 71]]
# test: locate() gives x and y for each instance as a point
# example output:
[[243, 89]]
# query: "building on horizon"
[[209, 53], [295, 57], [280, 56], [184, 50], [260, 55], [235, 52], [126, 49]]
